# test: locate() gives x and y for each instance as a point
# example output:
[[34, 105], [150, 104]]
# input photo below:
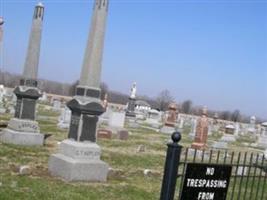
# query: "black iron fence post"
[[171, 168]]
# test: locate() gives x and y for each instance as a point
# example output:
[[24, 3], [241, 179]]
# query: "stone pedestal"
[[22, 132], [78, 161], [85, 112], [130, 109]]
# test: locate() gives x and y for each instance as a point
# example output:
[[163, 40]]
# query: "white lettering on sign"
[[205, 196], [210, 171], [206, 183]]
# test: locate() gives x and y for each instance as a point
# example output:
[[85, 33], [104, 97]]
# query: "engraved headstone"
[[170, 119], [104, 133], [200, 141], [116, 120], [123, 134]]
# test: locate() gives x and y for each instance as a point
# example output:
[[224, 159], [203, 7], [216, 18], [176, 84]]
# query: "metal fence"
[[247, 180]]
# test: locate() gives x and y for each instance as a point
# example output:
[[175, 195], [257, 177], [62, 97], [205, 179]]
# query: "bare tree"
[[235, 116], [225, 115], [164, 99], [186, 106]]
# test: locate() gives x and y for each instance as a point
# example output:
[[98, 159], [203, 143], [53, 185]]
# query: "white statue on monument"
[[133, 91]]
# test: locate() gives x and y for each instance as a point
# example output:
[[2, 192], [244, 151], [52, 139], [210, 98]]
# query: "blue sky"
[[212, 52]]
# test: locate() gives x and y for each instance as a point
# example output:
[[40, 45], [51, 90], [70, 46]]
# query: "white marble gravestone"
[[116, 120], [64, 118], [153, 118], [56, 105]]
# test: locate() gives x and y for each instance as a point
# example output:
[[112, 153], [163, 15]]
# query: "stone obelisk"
[[79, 155], [23, 129]]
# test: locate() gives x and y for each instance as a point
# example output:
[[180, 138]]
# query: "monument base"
[[167, 129], [22, 132], [21, 138], [78, 161], [199, 146]]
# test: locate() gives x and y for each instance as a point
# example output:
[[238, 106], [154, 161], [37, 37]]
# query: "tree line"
[[160, 102]]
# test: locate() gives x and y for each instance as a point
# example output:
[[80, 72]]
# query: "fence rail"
[[248, 175]]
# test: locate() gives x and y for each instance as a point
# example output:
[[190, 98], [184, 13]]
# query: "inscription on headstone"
[[25, 125], [90, 154], [206, 181]]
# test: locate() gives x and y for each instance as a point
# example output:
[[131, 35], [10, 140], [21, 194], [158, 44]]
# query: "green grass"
[[128, 184]]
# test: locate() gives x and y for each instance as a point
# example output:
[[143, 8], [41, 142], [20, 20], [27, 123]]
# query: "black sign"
[[206, 182]]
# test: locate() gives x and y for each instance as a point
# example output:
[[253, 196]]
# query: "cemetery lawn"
[[127, 182]]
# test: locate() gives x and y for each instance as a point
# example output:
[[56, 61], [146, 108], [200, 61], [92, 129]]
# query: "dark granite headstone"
[[89, 128], [28, 109]]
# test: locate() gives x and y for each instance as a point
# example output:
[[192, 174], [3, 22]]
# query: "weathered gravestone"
[[200, 141], [123, 134], [170, 119], [104, 133]]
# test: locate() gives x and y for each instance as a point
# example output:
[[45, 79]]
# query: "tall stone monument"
[[200, 141], [23, 129], [131, 103], [78, 158]]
